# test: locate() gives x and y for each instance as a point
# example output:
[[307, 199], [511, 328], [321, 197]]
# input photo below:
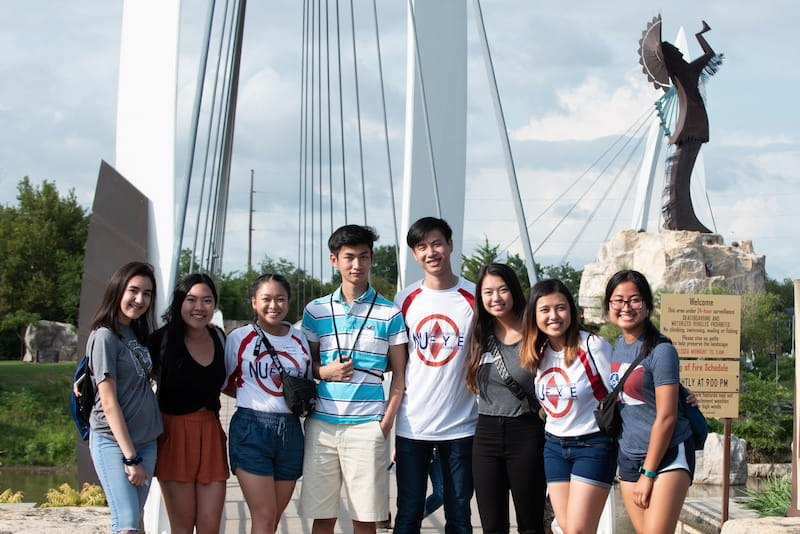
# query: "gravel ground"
[[24, 519]]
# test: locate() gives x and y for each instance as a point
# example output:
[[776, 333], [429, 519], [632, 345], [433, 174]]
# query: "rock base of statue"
[[675, 261]]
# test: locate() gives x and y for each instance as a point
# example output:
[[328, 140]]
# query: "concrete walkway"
[[237, 518]]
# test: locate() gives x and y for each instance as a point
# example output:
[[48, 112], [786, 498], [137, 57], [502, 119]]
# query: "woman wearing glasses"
[[265, 437], [656, 452]]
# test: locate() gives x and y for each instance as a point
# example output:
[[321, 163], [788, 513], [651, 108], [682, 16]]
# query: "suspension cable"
[[642, 118], [575, 204], [386, 137], [589, 219], [425, 110]]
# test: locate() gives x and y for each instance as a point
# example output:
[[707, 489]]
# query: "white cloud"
[[591, 110]]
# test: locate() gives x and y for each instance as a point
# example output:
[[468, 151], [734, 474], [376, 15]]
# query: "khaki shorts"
[[353, 455]]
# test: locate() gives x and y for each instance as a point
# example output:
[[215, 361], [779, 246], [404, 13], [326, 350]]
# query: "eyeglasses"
[[636, 303]]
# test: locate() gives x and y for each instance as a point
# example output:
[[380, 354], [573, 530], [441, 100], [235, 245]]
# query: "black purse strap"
[[270, 348], [500, 365], [630, 369]]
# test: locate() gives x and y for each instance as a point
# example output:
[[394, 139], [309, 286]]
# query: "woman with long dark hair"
[[656, 450], [192, 464], [266, 438], [507, 448], [572, 367], [125, 421]]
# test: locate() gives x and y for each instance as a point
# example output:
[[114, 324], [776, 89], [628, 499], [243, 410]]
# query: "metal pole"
[[501, 125], [793, 511], [250, 227], [726, 469]]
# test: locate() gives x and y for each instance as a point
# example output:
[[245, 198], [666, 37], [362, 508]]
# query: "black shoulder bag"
[[299, 392]]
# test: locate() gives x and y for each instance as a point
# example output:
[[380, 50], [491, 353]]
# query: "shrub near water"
[[36, 428], [66, 495]]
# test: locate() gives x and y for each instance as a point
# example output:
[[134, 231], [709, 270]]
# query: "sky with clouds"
[[568, 77]]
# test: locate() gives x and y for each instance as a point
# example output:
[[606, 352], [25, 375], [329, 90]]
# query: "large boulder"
[[675, 261], [48, 341], [708, 462]]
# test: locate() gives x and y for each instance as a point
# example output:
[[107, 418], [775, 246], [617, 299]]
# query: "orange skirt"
[[192, 448]]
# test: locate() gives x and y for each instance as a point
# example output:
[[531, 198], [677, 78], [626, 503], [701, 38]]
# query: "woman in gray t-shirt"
[[509, 437], [125, 420]]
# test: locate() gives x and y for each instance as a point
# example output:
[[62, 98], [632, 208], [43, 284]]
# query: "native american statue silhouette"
[[665, 66]]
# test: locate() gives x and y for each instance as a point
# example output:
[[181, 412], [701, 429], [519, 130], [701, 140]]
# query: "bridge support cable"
[[358, 111], [509, 157], [635, 126], [230, 120], [216, 122], [183, 198], [429, 137], [599, 203], [328, 114], [386, 138], [591, 186], [196, 258], [617, 214], [341, 110], [301, 144]]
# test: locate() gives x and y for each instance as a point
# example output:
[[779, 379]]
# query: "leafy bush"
[[9, 496], [772, 501], [66, 495], [762, 422]]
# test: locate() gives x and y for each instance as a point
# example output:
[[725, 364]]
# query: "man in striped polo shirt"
[[354, 334]]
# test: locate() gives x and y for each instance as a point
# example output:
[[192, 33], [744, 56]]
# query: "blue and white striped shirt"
[[361, 399]]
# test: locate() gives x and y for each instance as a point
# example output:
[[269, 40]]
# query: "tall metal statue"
[[665, 66]]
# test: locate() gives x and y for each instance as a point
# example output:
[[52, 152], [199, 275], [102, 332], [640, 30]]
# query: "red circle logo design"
[[552, 378], [432, 341], [272, 384]]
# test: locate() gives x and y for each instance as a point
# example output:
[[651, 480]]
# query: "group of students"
[[474, 367]]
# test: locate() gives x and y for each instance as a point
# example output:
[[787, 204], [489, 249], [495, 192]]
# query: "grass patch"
[[772, 501], [36, 428]]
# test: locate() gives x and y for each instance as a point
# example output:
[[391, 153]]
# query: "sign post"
[[706, 330]]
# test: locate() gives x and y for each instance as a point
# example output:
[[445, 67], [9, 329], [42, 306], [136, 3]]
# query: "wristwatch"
[[132, 461]]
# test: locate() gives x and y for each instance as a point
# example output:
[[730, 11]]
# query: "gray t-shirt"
[[494, 397], [638, 396], [128, 362]]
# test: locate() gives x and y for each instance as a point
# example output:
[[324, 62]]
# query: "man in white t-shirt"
[[437, 410]]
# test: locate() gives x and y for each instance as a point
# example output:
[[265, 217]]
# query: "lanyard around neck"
[[358, 334]]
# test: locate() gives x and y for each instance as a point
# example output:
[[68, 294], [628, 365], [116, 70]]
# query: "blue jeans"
[[435, 500], [125, 500], [412, 459]]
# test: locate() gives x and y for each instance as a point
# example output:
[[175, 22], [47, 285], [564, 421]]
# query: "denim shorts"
[[125, 501], [266, 444], [588, 459], [680, 456]]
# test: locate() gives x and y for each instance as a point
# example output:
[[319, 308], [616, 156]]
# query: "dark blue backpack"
[[696, 420], [81, 407]]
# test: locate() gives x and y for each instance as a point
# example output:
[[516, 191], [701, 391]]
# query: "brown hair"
[[533, 341], [108, 313], [482, 320]]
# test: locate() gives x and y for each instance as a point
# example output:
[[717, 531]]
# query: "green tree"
[[385, 263], [42, 243], [483, 255], [765, 323]]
